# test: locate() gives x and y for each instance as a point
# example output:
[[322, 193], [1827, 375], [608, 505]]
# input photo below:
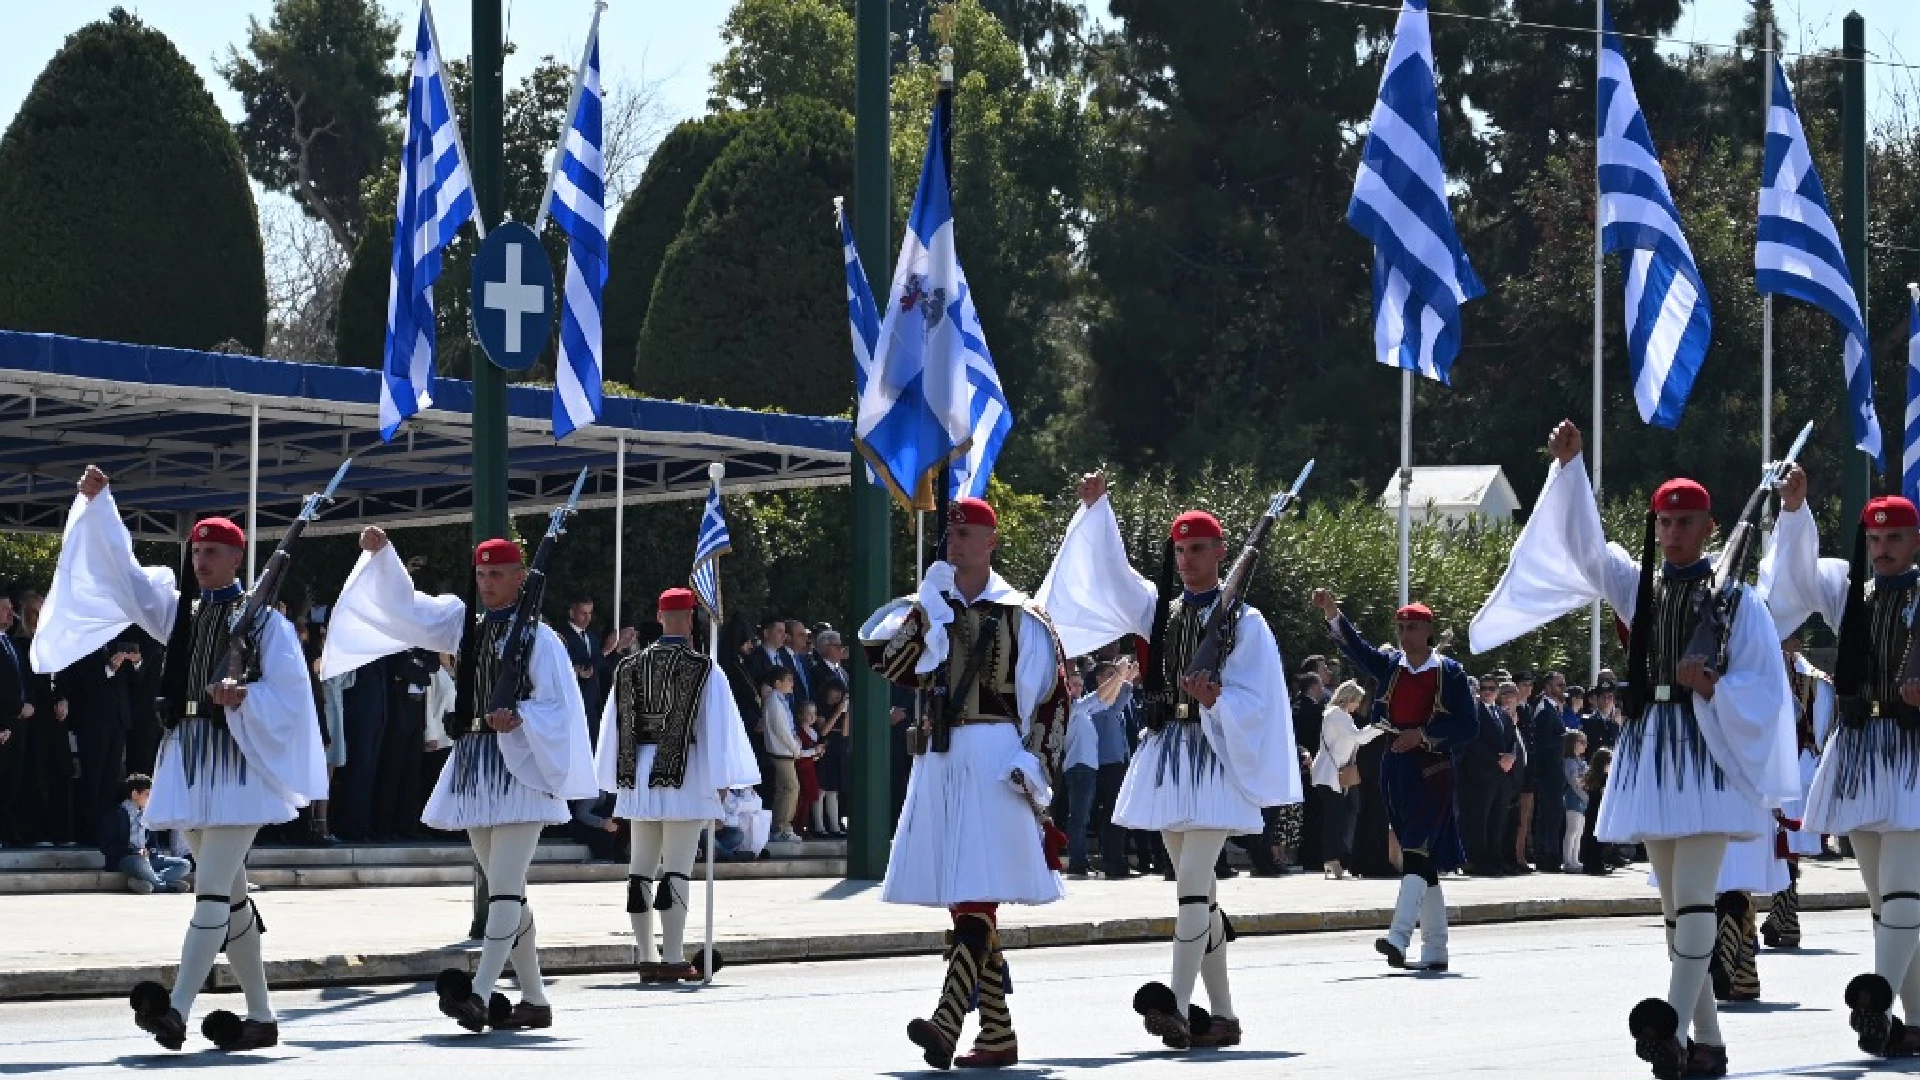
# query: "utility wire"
[[1589, 31]]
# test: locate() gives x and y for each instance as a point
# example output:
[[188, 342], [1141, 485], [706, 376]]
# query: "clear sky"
[[675, 42]]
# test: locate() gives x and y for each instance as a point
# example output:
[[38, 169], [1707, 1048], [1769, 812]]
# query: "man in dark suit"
[[15, 710], [1484, 764], [100, 690], [1547, 732], [768, 654], [592, 656], [364, 712], [396, 799], [797, 657], [1309, 706]]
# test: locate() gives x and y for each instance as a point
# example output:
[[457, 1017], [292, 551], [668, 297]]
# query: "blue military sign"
[[512, 296]]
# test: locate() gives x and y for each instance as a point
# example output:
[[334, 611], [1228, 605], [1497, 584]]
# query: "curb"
[[616, 955]]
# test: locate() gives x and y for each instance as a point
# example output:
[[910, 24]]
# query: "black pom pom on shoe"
[[1199, 1020], [1154, 997], [1653, 1020], [222, 1028], [149, 999], [1869, 993], [453, 984]]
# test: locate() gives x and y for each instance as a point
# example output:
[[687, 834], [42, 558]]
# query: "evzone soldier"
[[972, 833], [671, 741], [1214, 752], [511, 771], [1703, 757], [1751, 871], [1813, 710], [236, 755], [1864, 786], [1427, 703]]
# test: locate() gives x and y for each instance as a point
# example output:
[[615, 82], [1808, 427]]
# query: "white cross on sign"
[[514, 298]]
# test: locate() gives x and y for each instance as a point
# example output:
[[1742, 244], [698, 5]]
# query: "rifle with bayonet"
[[243, 633], [1216, 637], [517, 646], [1716, 607]]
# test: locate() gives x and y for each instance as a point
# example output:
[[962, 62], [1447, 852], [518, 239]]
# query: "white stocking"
[[1213, 967], [681, 838], [507, 852], [1898, 931], [1193, 855], [1688, 869], [831, 800], [243, 950], [220, 859], [643, 870]]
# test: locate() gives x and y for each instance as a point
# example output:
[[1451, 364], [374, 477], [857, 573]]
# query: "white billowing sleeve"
[[548, 751], [1037, 673], [276, 727], [606, 751], [441, 694], [378, 614], [1795, 580], [1562, 562], [1749, 724], [1251, 725], [1092, 593], [1822, 711], [98, 588], [721, 732]]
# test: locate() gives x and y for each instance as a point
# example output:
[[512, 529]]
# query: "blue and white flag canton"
[[714, 541], [989, 417], [915, 415], [436, 198], [1910, 462], [1669, 321], [1799, 255], [578, 206], [1420, 273], [862, 313]]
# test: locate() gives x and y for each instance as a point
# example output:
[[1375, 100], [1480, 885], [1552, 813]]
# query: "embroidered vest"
[[477, 670], [199, 629], [992, 695], [658, 698]]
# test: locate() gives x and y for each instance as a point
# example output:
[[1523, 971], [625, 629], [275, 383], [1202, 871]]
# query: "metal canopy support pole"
[[619, 526], [1599, 340], [253, 487], [1766, 300], [489, 188], [1856, 470], [1406, 480], [870, 795]]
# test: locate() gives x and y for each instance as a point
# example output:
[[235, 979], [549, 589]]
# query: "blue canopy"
[[173, 429]]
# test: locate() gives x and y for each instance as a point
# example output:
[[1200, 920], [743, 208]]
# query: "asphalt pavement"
[[1533, 1000]]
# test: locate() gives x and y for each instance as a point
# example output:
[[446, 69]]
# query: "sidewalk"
[[93, 944]]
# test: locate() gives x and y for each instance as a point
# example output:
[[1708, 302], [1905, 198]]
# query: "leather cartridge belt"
[[192, 710], [1666, 692], [973, 721]]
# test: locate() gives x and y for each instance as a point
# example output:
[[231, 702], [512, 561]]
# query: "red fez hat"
[[1680, 495], [972, 511], [1196, 525], [1414, 613], [218, 530], [1890, 512], [676, 600], [497, 553]]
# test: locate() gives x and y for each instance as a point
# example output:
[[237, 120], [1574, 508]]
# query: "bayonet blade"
[[333, 485], [1288, 497], [1799, 444], [579, 484]]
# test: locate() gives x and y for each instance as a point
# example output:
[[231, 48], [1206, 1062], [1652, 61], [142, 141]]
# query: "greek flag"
[[1420, 274], [1798, 253], [915, 414], [436, 198], [578, 203], [861, 312], [989, 416], [1669, 322], [712, 543], [1910, 463]]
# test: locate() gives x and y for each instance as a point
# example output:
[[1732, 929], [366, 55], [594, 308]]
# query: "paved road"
[[1524, 1000]]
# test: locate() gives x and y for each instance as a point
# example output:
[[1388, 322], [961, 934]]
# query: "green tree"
[[750, 304], [124, 207], [778, 50], [315, 84], [360, 328], [649, 222]]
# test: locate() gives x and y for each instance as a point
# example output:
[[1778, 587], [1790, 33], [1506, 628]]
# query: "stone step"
[[348, 856], [341, 877]]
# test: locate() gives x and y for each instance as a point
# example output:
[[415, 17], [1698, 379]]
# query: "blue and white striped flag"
[[1799, 255], [1910, 462], [436, 198], [989, 416], [862, 313], [1669, 321], [714, 541], [578, 203], [1420, 273], [915, 415]]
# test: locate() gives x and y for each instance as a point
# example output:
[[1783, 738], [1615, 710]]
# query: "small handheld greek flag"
[[713, 542], [436, 198]]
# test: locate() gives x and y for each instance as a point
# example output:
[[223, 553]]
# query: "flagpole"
[[1766, 299], [1599, 324], [1406, 477], [619, 522], [453, 119], [566, 124]]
